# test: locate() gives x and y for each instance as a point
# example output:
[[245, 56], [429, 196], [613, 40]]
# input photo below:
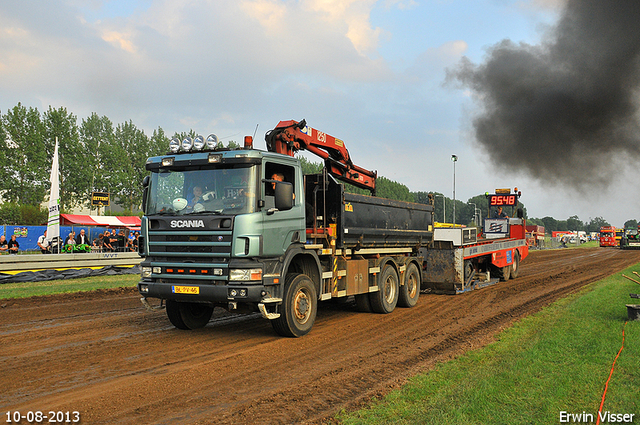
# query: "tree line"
[[97, 156], [94, 156]]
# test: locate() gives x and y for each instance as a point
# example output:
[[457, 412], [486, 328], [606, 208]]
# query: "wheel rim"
[[412, 283], [389, 289], [302, 307]]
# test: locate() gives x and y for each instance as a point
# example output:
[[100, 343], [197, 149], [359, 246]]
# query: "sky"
[[513, 88]]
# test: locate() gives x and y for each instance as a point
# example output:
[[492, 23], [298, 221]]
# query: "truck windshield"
[[228, 190]]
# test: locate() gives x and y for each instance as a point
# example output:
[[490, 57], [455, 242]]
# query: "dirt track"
[[104, 355]]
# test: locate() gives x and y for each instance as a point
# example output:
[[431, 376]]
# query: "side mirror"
[[284, 196], [145, 190]]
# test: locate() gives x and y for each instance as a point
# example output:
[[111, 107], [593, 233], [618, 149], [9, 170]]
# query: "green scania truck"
[[262, 237]]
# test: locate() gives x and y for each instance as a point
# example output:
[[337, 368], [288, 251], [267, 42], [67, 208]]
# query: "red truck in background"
[[608, 236], [535, 235]]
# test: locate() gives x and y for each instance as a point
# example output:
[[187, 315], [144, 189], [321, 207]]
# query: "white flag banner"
[[53, 226]]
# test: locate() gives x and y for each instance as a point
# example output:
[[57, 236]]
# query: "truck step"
[[266, 314], [271, 300]]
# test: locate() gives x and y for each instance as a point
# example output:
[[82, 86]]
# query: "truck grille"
[[199, 255]]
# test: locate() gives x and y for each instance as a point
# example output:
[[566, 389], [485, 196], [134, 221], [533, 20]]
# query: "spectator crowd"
[[111, 240]]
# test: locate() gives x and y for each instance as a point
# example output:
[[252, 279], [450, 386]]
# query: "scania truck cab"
[[223, 249]]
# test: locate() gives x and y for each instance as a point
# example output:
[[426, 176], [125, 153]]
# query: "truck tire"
[[173, 312], [410, 291], [299, 307], [505, 273], [195, 315], [515, 267], [384, 300], [469, 273]]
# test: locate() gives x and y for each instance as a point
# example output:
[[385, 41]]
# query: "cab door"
[[281, 228]]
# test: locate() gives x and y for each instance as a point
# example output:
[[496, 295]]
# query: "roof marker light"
[[212, 141], [187, 144], [198, 143], [174, 145]]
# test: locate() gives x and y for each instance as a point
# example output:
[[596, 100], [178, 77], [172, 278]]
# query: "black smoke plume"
[[564, 111]]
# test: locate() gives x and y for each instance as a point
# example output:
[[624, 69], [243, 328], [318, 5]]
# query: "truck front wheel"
[[299, 307], [410, 291], [188, 315], [173, 312], [384, 300]]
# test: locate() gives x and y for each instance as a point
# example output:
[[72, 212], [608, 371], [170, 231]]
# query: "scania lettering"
[[243, 229], [187, 223]]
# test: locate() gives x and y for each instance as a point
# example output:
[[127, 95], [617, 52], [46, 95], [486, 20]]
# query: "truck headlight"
[[146, 272], [245, 274]]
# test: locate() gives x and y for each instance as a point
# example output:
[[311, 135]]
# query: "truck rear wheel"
[[384, 300], [188, 315], [299, 307], [410, 291]]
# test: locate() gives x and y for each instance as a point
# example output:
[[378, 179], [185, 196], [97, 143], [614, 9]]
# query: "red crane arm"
[[288, 137]]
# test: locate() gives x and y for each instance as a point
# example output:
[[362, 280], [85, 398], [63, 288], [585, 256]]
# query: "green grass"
[[556, 360], [30, 289], [590, 244]]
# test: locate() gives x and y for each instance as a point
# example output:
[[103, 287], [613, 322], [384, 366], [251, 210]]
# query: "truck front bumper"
[[198, 292]]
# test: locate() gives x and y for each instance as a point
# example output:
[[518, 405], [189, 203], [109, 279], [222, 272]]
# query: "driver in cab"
[[499, 213]]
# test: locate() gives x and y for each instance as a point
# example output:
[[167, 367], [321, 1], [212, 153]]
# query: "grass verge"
[[557, 360], [30, 289]]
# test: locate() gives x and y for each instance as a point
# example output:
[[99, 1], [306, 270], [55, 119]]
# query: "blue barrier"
[[27, 236]]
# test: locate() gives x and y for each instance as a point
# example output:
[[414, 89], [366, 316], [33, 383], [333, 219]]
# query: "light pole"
[[444, 210], [454, 158], [474, 213]]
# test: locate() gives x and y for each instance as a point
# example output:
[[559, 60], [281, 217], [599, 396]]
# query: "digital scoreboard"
[[499, 200]]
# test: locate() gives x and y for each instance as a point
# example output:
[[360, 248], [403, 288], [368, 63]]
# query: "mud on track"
[[104, 355]]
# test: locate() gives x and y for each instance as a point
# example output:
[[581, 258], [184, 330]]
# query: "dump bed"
[[367, 222]]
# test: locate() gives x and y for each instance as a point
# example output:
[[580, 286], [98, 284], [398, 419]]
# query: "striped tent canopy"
[[131, 223]]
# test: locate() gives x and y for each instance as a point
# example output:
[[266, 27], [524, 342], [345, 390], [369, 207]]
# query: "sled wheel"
[[515, 267], [505, 273]]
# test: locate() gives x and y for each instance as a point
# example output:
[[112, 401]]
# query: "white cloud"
[[225, 66], [120, 39]]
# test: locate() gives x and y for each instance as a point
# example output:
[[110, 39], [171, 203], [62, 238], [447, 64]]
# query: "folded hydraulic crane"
[[288, 137]]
